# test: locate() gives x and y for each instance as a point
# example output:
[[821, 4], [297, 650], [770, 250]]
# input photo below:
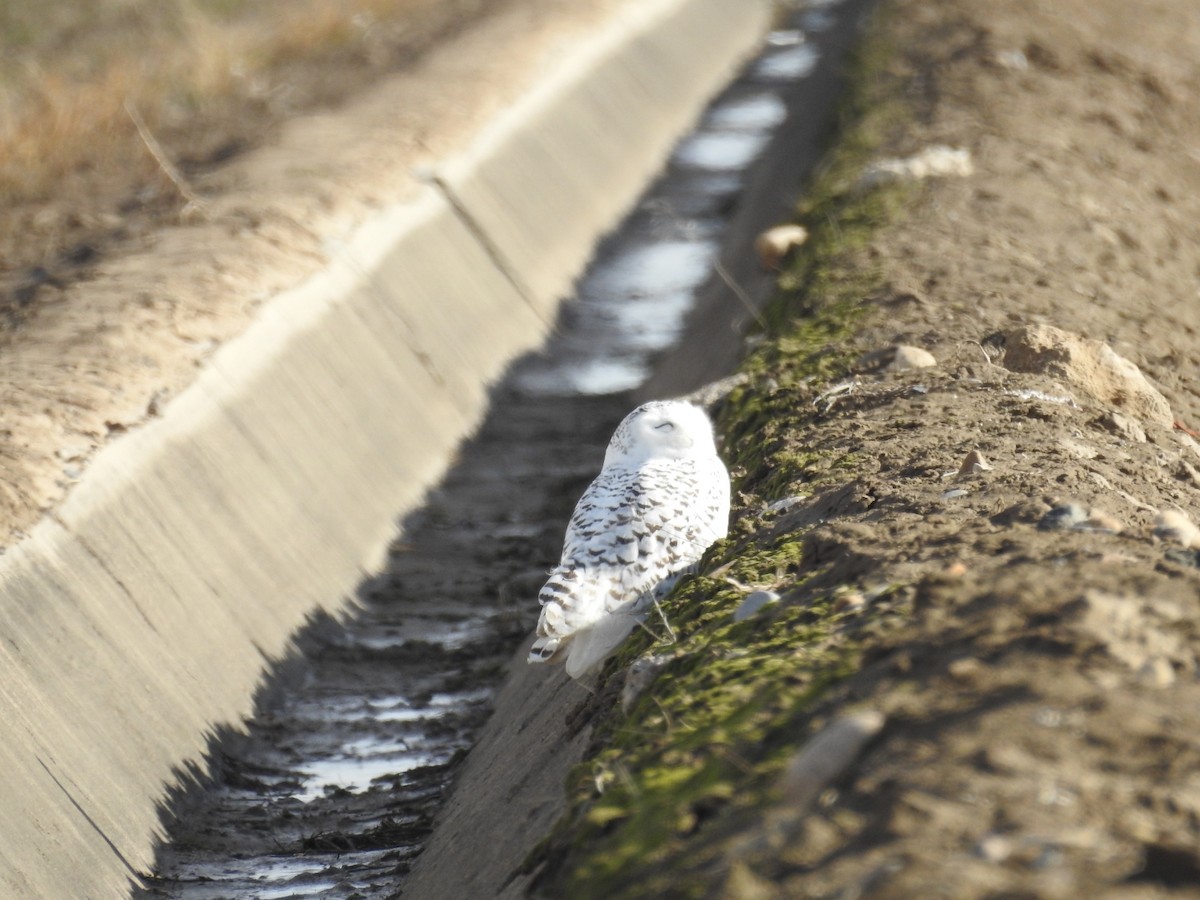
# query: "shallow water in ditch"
[[333, 790]]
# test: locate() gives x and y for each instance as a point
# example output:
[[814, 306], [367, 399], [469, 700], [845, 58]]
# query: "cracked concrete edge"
[[138, 619]]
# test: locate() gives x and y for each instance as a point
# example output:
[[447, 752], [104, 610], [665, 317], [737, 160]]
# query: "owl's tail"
[[593, 645], [546, 650], [555, 625]]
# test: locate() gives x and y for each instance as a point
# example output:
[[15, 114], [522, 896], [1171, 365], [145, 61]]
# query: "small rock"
[[1064, 515], [966, 669], [1167, 610], [1012, 59], [1052, 793], [1116, 559], [1022, 511], [1099, 520], [995, 848], [753, 604], [1190, 558], [1173, 525], [956, 569], [1078, 450], [1106, 681], [825, 757], [850, 602], [787, 503], [774, 244], [1123, 426], [1188, 471], [933, 162], [1188, 436], [954, 494], [1031, 394], [787, 37], [973, 464], [821, 761], [909, 357], [1006, 759], [1157, 672], [1044, 855], [640, 675]]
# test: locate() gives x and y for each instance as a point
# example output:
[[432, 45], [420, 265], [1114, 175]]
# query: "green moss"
[[669, 785]]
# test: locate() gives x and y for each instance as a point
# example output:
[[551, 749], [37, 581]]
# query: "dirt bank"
[[975, 610]]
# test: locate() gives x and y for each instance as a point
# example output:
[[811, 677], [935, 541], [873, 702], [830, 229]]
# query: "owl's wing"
[[641, 526]]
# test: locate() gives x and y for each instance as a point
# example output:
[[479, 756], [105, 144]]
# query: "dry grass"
[[69, 71], [114, 114]]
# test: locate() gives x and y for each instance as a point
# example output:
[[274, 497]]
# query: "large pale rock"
[[1092, 366]]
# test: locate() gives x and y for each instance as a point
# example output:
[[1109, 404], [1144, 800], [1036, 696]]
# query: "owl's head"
[[661, 429]]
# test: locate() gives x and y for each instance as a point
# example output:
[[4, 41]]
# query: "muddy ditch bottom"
[[333, 789]]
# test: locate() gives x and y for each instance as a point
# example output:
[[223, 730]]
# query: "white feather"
[[660, 501]]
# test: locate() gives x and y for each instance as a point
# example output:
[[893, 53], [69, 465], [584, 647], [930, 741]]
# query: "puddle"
[[596, 377], [653, 329], [289, 891], [394, 708], [756, 112], [359, 773], [630, 307], [453, 635], [632, 303], [284, 877], [732, 150], [644, 271], [785, 38], [789, 63], [475, 695]]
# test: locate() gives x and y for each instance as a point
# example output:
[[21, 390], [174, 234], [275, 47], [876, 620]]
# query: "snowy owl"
[[660, 500]]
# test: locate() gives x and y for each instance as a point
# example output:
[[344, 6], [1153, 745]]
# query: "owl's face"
[[662, 429]]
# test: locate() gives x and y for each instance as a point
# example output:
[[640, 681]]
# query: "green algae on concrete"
[[676, 782]]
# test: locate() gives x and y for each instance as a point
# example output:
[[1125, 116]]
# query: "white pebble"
[[936, 161], [908, 357], [753, 604], [775, 243]]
